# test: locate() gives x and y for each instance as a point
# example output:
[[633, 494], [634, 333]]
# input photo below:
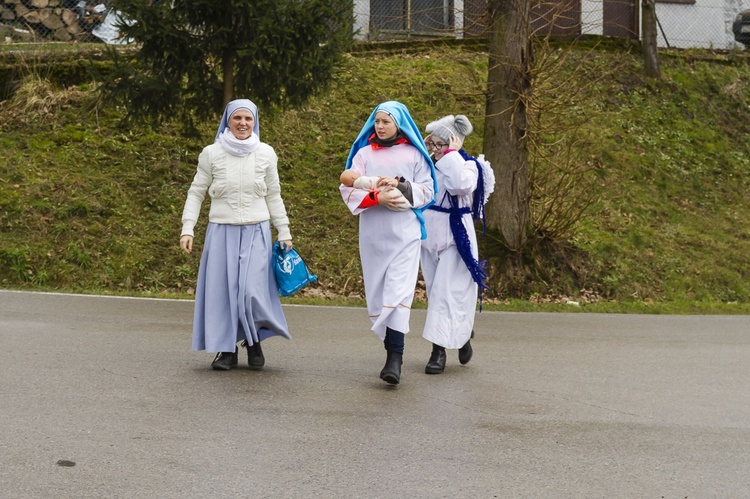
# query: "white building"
[[681, 23]]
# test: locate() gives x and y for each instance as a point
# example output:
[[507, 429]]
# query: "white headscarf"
[[226, 138]]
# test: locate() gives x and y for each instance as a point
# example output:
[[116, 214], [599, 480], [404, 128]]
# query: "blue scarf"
[[477, 205], [477, 269]]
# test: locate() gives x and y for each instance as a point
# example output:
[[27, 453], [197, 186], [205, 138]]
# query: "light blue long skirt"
[[236, 297]]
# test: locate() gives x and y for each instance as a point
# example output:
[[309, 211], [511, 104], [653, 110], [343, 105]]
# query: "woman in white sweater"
[[236, 299]]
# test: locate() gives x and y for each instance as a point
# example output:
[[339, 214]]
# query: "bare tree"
[[506, 122], [648, 28]]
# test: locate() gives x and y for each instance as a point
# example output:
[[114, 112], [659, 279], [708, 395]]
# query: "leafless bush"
[[563, 179]]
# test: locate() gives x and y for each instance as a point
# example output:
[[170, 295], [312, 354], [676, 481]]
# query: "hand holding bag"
[[290, 271]]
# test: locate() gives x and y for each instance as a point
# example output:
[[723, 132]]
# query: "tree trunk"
[[228, 75], [650, 50], [505, 146]]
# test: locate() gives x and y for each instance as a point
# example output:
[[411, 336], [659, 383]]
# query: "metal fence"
[[57, 21], [682, 23]]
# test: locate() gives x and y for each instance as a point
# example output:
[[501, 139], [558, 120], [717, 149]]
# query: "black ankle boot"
[[224, 361], [436, 364], [465, 352], [255, 358], [391, 372]]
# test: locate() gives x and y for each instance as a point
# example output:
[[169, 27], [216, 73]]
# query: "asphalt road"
[[102, 398]]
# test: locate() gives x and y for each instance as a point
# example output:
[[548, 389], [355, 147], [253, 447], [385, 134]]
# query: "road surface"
[[101, 397]]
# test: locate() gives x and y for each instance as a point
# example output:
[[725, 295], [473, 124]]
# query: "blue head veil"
[[230, 110], [406, 125]]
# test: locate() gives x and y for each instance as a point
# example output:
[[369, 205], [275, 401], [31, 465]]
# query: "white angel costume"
[[451, 287], [389, 240]]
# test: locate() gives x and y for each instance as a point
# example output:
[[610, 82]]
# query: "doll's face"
[[241, 123], [385, 127]]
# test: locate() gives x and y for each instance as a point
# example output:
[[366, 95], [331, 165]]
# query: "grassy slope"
[[677, 225], [87, 205]]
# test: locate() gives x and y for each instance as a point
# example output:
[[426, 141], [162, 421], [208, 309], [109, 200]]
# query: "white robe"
[[389, 241], [451, 291]]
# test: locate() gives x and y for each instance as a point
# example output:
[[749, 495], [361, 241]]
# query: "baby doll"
[[349, 178], [353, 179]]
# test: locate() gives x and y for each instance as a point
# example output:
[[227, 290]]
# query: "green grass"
[[89, 205]]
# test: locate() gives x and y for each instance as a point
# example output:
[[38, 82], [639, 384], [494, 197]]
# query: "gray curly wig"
[[460, 126]]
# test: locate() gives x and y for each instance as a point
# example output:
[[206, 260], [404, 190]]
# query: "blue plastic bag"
[[290, 271]]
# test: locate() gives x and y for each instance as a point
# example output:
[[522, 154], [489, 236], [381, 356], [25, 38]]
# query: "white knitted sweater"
[[242, 190]]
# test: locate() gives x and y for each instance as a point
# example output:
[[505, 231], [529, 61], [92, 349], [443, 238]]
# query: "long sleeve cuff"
[[284, 233], [369, 200]]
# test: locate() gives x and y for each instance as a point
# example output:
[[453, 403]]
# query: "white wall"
[[704, 24], [458, 15], [592, 14], [362, 19], [692, 25]]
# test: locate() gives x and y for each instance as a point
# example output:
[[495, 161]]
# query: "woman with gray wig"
[[453, 275]]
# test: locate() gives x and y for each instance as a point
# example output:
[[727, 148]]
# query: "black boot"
[[224, 361], [436, 364], [391, 372], [465, 352], [255, 358]]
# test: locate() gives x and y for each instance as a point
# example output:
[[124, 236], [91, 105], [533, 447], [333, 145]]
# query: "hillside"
[[90, 205]]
